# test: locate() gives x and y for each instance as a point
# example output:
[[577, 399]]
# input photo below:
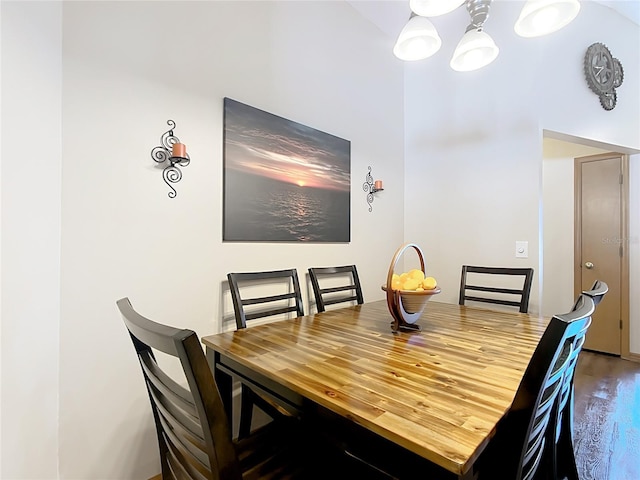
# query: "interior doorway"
[[557, 230], [600, 226]]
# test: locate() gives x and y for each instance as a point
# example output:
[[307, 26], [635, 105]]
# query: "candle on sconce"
[[179, 150], [378, 185]]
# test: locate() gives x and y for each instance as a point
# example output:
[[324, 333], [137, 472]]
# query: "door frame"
[[624, 221]]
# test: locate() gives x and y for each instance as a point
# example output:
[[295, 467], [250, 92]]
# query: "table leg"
[[223, 381]]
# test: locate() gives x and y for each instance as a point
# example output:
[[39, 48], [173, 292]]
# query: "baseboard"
[[157, 477], [634, 357]]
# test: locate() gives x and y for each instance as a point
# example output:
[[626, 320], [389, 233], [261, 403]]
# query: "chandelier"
[[419, 38]]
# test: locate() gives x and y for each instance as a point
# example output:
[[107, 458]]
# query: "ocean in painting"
[[261, 209]]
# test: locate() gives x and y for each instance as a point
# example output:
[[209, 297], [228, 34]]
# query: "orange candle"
[[179, 150], [378, 185]]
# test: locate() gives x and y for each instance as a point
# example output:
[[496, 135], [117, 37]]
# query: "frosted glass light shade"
[[475, 50], [540, 17], [434, 8], [417, 40]]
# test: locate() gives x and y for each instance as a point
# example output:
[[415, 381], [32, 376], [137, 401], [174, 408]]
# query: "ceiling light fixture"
[[476, 48], [540, 17], [419, 38]]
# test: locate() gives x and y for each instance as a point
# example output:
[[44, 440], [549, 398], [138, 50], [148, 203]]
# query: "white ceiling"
[[391, 15], [628, 8]]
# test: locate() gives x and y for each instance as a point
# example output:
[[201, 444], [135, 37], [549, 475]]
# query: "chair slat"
[[186, 425], [496, 301], [334, 301], [183, 465], [169, 387], [272, 298], [268, 313], [339, 289]]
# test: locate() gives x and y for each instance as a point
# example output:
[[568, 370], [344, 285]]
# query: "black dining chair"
[[523, 446], [193, 430], [491, 292], [258, 295], [563, 455], [333, 285]]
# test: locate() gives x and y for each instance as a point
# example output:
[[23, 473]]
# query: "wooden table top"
[[438, 393]]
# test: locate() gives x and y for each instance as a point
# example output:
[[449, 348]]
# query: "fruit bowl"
[[406, 306]]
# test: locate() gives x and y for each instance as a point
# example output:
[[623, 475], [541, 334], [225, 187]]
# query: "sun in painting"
[[301, 183]]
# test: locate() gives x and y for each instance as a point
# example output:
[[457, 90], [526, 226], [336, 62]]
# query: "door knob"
[[589, 265]]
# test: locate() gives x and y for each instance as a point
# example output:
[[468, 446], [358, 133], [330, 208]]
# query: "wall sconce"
[[371, 187], [174, 152]]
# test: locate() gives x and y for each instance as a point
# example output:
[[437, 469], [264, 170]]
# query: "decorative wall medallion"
[[603, 73]]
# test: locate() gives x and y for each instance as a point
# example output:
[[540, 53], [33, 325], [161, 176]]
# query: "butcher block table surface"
[[438, 393]]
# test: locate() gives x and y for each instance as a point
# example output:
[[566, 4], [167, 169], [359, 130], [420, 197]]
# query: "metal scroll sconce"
[[174, 152], [371, 187]]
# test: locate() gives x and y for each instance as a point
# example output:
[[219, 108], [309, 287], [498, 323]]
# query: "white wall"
[[106, 228], [474, 140], [30, 273], [127, 68], [473, 156], [567, 104]]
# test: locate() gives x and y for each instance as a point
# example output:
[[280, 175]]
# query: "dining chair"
[[258, 295], [517, 297], [563, 455], [339, 285], [194, 435], [523, 446], [193, 430]]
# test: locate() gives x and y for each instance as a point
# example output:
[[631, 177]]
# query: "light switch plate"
[[522, 249]]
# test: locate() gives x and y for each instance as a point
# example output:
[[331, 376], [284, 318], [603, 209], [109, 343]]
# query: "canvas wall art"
[[283, 181]]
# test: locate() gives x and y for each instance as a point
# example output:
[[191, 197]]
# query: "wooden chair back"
[[340, 284], [191, 424], [524, 436], [268, 305], [517, 297]]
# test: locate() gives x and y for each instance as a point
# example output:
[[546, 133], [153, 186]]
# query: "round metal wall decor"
[[603, 73]]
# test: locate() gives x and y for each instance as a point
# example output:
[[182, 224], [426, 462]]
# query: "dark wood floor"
[[607, 418]]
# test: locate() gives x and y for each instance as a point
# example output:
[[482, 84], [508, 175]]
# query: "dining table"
[[437, 393]]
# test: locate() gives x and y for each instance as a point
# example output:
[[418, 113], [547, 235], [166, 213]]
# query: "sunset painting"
[[283, 181]]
